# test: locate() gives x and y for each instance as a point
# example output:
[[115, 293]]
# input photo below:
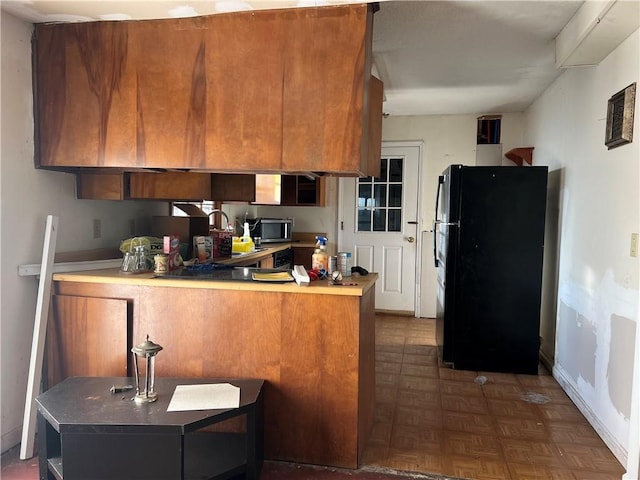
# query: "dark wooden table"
[[87, 433]]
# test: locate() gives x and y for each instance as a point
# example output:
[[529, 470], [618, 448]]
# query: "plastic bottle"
[[246, 238], [243, 244], [320, 257]]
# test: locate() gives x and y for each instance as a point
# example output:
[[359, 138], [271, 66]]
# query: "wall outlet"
[[634, 245], [97, 228]]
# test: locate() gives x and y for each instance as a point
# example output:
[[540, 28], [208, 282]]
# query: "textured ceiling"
[[435, 57]]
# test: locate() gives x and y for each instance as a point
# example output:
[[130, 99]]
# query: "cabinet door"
[[185, 186], [171, 97], [328, 59], [267, 262], [86, 106], [374, 128], [232, 187], [100, 186], [87, 336], [303, 256], [244, 62]]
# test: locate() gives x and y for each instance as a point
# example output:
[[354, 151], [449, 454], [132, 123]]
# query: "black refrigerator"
[[488, 249]]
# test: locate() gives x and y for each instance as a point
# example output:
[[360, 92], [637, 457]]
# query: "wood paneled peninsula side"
[[313, 345]]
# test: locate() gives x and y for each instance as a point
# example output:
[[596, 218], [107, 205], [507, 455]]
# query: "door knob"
[[411, 239]]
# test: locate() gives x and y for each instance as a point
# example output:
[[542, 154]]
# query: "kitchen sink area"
[[255, 250], [219, 272]]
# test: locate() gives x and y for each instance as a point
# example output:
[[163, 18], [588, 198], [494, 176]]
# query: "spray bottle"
[[320, 257]]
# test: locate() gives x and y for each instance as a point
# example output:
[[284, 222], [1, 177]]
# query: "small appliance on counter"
[[271, 230]]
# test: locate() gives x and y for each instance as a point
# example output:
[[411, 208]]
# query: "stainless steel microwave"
[[271, 230]]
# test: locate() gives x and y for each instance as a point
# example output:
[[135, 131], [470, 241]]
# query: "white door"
[[379, 226]]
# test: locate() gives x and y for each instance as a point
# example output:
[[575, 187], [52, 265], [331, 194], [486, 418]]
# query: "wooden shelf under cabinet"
[[170, 186]]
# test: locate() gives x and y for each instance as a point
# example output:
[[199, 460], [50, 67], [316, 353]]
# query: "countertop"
[[318, 287], [269, 249]]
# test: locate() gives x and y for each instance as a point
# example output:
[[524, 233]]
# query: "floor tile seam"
[[513, 465], [500, 444], [557, 459], [394, 423], [450, 458], [545, 426], [602, 447]]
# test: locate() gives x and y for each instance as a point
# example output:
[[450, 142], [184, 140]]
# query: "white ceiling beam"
[[596, 29]]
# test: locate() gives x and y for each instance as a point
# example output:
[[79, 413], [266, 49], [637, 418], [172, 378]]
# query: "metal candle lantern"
[[148, 350]]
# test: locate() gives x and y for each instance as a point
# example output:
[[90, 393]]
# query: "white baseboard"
[[610, 441], [11, 438]]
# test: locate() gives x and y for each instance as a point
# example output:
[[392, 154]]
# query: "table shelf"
[[106, 438]]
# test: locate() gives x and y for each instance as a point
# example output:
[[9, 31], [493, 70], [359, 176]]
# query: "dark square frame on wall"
[[620, 117]]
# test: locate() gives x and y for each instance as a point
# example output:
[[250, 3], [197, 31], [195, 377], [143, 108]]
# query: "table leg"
[[255, 439]]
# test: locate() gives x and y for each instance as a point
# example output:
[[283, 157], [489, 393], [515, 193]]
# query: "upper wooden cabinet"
[[261, 91], [171, 186]]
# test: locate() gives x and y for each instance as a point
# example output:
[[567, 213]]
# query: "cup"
[[257, 241], [161, 261]]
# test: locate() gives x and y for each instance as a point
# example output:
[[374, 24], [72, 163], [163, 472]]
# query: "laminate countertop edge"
[[317, 287]]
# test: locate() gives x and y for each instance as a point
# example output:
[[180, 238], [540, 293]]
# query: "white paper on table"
[[204, 397]]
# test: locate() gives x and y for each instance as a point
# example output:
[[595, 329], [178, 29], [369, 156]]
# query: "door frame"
[[418, 273]]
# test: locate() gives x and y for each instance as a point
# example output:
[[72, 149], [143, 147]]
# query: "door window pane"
[[364, 220], [380, 195], [383, 171], [395, 195], [380, 198], [395, 170], [379, 220], [395, 220], [364, 195]]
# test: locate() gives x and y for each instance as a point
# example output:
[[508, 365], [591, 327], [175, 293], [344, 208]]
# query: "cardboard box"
[[195, 224], [171, 247], [215, 245]]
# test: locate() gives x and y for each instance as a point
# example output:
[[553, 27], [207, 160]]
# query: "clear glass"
[[395, 170], [380, 195], [395, 220], [364, 220]]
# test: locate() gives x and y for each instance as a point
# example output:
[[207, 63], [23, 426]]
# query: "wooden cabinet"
[[87, 336], [284, 90], [185, 186], [325, 107], [374, 130], [303, 256], [290, 190], [319, 368], [300, 190], [232, 187], [100, 186], [170, 186], [267, 262]]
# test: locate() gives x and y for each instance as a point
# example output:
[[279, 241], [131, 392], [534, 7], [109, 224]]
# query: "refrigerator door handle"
[[435, 247], [436, 222]]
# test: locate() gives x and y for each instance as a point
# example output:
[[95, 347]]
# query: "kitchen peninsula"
[[313, 345]]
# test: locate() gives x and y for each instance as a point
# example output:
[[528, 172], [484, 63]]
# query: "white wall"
[[447, 140], [27, 196], [597, 313]]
